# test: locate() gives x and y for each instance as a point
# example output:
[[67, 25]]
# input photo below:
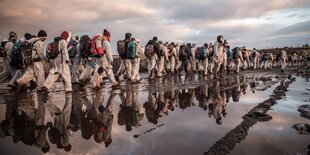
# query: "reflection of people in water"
[[95, 118], [25, 121], [218, 107], [203, 97], [102, 126], [60, 132], [130, 113], [236, 91], [253, 84], [244, 85], [150, 107]]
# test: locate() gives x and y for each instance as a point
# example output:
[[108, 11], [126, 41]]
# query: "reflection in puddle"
[[139, 111]]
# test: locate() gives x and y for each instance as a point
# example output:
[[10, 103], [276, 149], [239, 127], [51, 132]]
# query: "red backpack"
[[97, 52]]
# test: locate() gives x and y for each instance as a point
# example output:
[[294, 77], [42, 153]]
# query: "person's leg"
[[51, 78], [67, 78]]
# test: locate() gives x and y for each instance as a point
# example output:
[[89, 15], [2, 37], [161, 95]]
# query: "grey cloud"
[[174, 20]]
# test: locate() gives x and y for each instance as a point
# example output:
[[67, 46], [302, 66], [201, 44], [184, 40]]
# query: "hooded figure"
[[122, 68], [152, 59], [7, 69], [218, 57], [60, 65], [36, 71], [135, 76], [105, 62], [76, 60], [283, 59]]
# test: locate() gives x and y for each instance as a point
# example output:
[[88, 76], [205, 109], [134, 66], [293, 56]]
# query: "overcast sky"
[[259, 23]]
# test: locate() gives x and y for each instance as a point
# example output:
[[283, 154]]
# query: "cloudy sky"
[[259, 23]]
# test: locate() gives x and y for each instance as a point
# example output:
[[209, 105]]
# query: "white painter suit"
[[60, 68], [35, 72], [104, 62]]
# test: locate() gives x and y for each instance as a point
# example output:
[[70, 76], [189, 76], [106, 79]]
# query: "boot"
[[113, 80]]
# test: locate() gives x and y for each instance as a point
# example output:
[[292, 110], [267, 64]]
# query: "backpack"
[[72, 49], [228, 52], [52, 50], [149, 51], [21, 55], [121, 48], [253, 54], [202, 53], [235, 53], [93, 48], [182, 52], [265, 56], [131, 50], [84, 46], [2, 52]]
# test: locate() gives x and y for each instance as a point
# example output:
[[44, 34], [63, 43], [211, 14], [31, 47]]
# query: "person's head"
[[65, 35], [133, 39], [219, 121], [155, 38], [67, 148], [128, 128], [27, 36], [206, 45], [13, 36], [172, 44], [57, 39], [220, 39], [254, 48], [128, 35], [45, 148], [77, 38], [107, 34], [285, 48], [42, 35], [108, 142], [189, 45]]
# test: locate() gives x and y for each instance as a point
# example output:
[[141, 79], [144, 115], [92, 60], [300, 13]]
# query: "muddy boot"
[[113, 80], [45, 90], [152, 74]]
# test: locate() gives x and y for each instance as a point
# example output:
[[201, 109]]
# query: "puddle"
[[175, 115]]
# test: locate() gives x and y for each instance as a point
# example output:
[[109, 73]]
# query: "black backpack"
[[182, 53], [121, 48], [265, 56], [85, 46], [235, 53], [21, 55], [72, 49], [52, 50], [2, 52]]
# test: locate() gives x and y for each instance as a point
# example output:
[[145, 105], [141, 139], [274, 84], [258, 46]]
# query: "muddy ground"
[[251, 113]]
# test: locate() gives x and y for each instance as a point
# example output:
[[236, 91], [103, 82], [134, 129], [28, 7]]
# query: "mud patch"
[[304, 111]]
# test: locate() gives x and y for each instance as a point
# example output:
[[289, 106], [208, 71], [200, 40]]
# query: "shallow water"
[[175, 115]]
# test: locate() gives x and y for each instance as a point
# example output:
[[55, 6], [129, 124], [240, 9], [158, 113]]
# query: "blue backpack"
[[228, 52], [202, 53], [131, 50]]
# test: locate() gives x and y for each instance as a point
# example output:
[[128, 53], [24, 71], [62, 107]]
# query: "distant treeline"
[[304, 51]]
